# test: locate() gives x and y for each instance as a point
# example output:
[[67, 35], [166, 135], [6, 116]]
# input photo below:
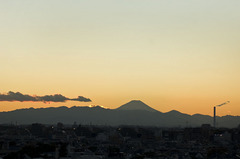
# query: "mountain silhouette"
[[131, 113], [136, 105]]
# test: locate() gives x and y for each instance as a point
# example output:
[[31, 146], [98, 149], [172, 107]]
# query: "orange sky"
[[181, 55]]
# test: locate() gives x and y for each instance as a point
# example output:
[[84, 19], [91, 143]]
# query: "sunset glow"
[[172, 55]]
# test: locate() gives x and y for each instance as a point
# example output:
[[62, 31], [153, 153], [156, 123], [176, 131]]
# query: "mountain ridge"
[[102, 116]]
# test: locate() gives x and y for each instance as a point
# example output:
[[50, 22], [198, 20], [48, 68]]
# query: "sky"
[[182, 55]]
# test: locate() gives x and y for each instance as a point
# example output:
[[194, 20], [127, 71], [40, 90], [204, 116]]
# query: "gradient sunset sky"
[[171, 54]]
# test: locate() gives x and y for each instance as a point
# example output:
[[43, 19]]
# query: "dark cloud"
[[53, 98], [11, 96], [82, 99]]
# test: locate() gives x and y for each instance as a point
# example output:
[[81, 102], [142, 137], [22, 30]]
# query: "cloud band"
[[12, 96]]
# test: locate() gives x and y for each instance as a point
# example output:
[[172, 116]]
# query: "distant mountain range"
[[133, 113]]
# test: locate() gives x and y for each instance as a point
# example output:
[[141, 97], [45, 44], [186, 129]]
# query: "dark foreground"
[[37, 141]]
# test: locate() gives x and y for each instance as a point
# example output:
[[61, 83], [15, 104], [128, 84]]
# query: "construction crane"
[[214, 112]]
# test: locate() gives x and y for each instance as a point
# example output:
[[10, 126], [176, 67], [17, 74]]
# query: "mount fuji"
[[136, 105]]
